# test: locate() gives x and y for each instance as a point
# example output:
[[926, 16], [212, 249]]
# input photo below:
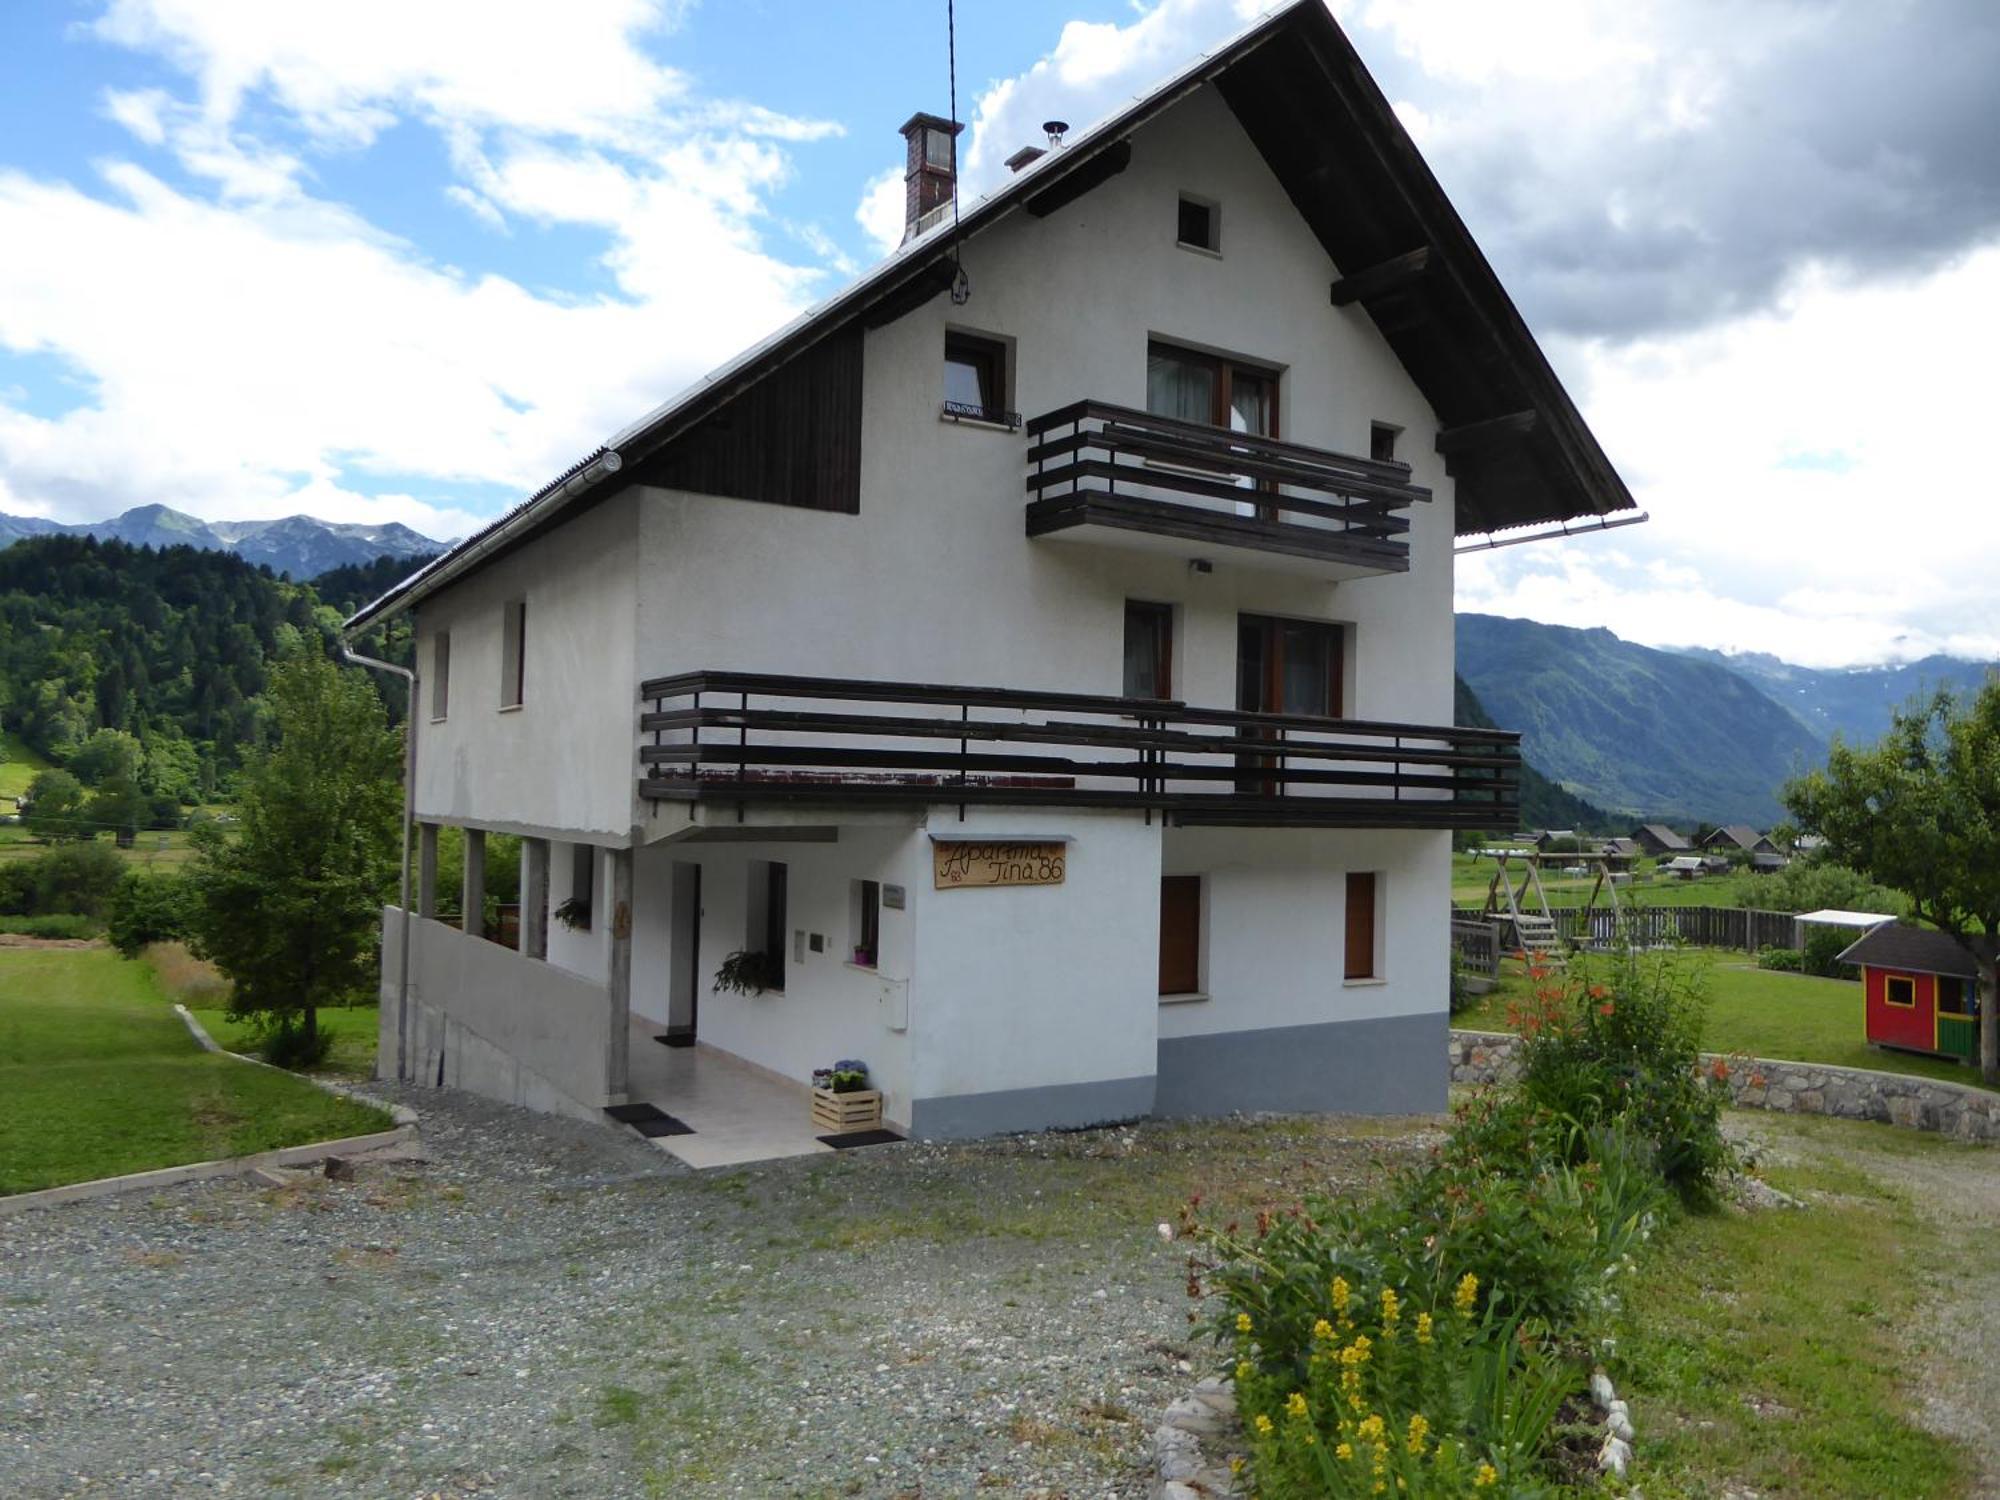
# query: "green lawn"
[[1765, 1353], [1792, 1017], [99, 1077], [353, 1028]]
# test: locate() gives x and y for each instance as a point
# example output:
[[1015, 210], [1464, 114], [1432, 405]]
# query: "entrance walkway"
[[738, 1113]]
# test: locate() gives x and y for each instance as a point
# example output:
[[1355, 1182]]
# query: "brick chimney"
[[931, 172]]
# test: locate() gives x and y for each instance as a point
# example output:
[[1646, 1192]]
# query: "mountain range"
[[1690, 735], [302, 546]]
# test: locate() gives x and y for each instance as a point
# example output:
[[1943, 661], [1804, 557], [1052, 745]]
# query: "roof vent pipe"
[[1055, 130]]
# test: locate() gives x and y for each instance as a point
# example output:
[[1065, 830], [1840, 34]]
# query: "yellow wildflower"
[[1236, 1465], [1487, 1476], [1392, 1307], [1243, 1369], [1295, 1405], [1341, 1292], [1369, 1430], [1423, 1328], [1419, 1429], [1323, 1330], [1243, 1322], [1356, 1353], [1467, 1293], [1263, 1425], [1344, 1452]]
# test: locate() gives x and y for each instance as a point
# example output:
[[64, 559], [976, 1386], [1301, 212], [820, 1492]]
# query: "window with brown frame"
[[1191, 386], [1362, 904], [1900, 991], [975, 378], [1284, 667], [1149, 650]]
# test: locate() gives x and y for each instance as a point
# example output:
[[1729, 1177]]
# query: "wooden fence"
[[1648, 927]]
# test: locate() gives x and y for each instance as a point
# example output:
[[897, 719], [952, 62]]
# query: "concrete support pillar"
[[619, 976], [472, 903], [427, 869], [535, 897]]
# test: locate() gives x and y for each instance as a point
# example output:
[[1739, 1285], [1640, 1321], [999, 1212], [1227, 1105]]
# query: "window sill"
[[1191, 997], [1197, 249], [874, 968], [438, 719], [1369, 982], [512, 708]]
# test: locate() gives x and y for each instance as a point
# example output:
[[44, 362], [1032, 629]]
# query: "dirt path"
[[1955, 1345]]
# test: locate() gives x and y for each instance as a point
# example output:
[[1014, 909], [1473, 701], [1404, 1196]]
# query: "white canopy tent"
[[1868, 921]]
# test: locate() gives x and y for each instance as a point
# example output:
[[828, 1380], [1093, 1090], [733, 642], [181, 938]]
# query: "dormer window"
[[975, 380], [1200, 225]]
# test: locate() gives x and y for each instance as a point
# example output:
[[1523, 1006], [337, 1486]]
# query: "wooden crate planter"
[[834, 1114]]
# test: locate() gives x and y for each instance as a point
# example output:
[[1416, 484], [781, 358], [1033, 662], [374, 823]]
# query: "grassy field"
[[1792, 1017], [1769, 1353], [99, 1077], [196, 984], [18, 765], [152, 850], [1471, 877]]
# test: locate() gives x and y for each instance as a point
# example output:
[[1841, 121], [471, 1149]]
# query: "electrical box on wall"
[[894, 1003]]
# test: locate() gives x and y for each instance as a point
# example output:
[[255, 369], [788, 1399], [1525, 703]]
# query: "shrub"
[[73, 879], [1783, 960], [53, 926], [1816, 885], [149, 909], [1621, 1039], [284, 1042], [190, 980], [1824, 945]]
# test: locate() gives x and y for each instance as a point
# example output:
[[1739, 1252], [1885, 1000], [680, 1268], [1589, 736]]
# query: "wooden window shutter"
[[1180, 934], [1361, 925]]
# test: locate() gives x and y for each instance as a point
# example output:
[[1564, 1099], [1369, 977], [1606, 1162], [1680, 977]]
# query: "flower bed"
[[1436, 1340]]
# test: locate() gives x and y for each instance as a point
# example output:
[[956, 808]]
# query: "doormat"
[[675, 1039], [648, 1119], [860, 1138]]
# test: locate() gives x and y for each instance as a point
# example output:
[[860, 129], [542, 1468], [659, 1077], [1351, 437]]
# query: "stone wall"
[[1953, 1109]]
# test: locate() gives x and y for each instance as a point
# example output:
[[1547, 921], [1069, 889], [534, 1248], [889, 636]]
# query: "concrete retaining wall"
[[1954, 1109], [489, 1021]]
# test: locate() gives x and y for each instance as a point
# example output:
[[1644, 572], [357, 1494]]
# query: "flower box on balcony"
[[859, 1109]]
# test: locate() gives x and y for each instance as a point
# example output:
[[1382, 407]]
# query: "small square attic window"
[[1200, 225]]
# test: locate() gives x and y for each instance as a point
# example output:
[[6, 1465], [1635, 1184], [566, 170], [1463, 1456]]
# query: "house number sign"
[[960, 865]]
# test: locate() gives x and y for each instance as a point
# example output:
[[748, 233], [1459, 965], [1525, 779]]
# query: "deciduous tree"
[[1920, 812], [289, 908], [52, 807]]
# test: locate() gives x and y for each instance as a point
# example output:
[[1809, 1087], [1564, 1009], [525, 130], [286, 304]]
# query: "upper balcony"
[[744, 738], [1124, 478]]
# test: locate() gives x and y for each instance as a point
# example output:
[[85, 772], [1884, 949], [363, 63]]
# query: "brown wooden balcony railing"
[[1101, 466], [759, 738]]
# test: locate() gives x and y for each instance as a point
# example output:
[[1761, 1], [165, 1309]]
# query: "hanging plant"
[[749, 973], [574, 914]]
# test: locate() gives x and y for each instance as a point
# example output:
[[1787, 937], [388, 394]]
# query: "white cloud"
[[254, 349], [882, 210]]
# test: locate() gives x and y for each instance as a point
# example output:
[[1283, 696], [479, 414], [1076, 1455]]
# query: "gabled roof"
[[1742, 835], [1919, 949], [1512, 438], [1662, 835]]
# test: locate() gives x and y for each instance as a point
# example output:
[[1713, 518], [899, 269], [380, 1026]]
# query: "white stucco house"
[[1040, 654]]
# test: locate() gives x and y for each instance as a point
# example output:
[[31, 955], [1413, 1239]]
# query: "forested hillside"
[[1543, 803], [169, 646]]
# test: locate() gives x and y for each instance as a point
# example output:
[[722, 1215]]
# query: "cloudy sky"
[[378, 259]]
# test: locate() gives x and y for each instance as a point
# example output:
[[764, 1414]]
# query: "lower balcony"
[[764, 739], [1117, 477]]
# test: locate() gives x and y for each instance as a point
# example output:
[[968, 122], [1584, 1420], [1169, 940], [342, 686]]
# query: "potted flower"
[[842, 1099]]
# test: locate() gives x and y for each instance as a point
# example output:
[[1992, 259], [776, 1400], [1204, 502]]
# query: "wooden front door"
[[1180, 934]]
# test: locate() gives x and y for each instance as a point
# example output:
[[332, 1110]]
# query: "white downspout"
[[353, 657]]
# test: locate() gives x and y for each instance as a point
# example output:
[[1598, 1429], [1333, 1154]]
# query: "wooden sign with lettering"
[[965, 864]]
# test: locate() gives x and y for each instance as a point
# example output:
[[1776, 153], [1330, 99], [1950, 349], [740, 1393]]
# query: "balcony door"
[[1284, 667], [1190, 386]]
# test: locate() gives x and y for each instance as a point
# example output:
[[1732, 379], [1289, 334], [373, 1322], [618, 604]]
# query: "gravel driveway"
[[546, 1308]]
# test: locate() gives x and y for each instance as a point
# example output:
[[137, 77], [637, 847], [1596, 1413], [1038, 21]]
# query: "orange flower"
[[1606, 1008], [1720, 1070]]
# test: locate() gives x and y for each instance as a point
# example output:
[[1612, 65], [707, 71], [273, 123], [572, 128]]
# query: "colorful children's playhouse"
[[1922, 991]]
